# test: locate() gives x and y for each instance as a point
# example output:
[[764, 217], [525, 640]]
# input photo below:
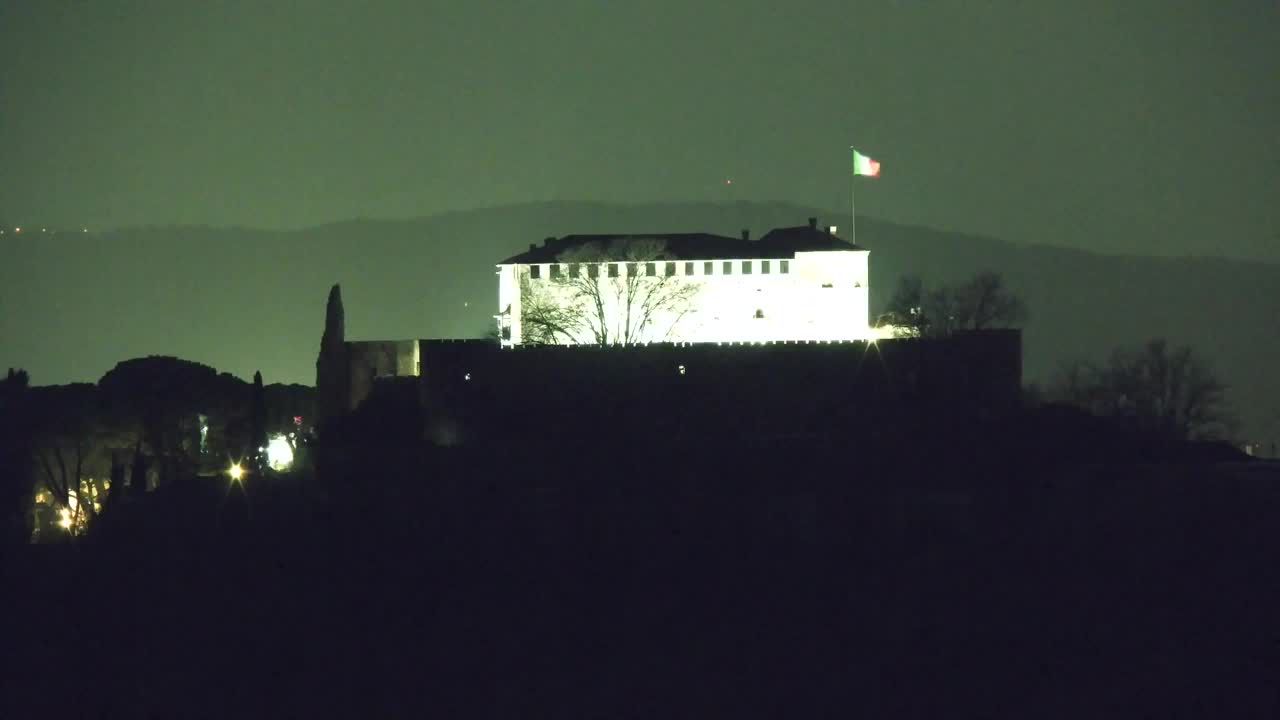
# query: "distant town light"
[[236, 472], [17, 229], [834, 229], [279, 453]]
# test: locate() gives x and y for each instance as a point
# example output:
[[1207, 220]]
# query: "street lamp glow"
[[236, 472]]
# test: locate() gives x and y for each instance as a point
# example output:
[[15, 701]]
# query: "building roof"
[[778, 243]]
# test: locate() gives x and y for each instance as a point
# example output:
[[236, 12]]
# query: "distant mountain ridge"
[[242, 299]]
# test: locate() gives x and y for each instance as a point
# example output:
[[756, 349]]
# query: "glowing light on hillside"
[[279, 453], [236, 472], [68, 515]]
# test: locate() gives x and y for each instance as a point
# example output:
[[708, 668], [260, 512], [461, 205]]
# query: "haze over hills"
[[433, 277]]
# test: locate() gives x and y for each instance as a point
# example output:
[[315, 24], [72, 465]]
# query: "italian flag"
[[863, 165]]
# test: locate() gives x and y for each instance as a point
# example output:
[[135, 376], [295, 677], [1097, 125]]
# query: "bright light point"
[[279, 453], [681, 368], [467, 376], [728, 182], [834, 229], [17, 229], [236, 472]]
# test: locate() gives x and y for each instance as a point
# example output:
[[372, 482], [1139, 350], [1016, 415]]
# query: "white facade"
[[807, 296]]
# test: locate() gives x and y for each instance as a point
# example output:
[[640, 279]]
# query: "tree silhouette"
[[258, 419], [1155, 387], [606, 293], [15, 459], [331, 363], [981, 303], [138, 471]]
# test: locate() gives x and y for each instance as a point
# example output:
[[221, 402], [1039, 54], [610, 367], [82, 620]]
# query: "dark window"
[[671, 269], [764, 267], [759, 314], [555, 272], [573, 270], [633, 269], [593, 271], [746, 267], [535, 272], [688, 268], [826, 285], [708, 268], [728, 267], [784, 266], [650, 269], [613, 269], [506, 335]]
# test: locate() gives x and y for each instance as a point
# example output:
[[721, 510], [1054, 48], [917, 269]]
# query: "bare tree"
[[905, 311], [981, 303], [607, 293], [546, 319], [1167, 390], [984, 302], [72, 449]]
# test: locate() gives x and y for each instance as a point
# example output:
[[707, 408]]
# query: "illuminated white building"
[[793, 284]]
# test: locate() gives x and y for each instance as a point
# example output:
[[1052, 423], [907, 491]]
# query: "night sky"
[[1144, 126]]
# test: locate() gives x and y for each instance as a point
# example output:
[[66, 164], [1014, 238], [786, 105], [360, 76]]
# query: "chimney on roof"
[[746, 235], [546, 242], [813, 223], [533, 246]]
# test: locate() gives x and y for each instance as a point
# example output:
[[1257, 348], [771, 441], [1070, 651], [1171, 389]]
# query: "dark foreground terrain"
[[805, 577]]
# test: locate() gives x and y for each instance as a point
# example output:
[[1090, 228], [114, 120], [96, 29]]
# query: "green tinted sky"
[[1147, 126]]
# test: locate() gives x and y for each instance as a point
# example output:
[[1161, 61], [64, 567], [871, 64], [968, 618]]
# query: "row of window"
[[669, 268]]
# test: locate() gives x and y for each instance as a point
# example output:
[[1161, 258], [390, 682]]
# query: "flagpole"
[[853, 217]]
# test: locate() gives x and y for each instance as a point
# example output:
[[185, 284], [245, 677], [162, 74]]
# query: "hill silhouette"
[[243, 299]]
